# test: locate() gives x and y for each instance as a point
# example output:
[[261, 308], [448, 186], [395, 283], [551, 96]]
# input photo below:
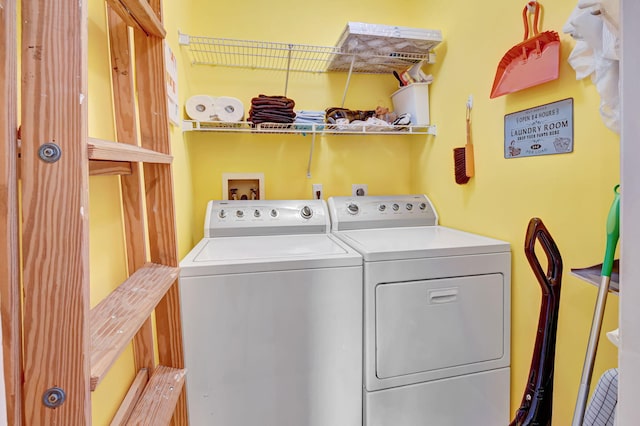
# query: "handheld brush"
[[463, 156]]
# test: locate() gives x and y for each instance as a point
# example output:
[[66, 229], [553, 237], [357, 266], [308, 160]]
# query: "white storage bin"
[[413, 99]]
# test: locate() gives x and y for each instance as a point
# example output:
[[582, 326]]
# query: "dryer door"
[[429, 325]]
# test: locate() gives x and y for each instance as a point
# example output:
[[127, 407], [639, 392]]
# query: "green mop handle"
[[613, 233]]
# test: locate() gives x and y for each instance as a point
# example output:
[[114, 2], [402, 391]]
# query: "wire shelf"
[[259, 54], [295, 128], [295, 57]]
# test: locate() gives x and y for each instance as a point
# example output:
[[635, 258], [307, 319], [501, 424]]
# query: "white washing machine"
[[272, 318], [436, 314]]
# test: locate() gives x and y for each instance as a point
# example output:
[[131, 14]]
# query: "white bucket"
[[413, 99]]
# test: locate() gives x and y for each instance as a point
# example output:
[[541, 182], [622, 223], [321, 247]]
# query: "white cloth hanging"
[[595, 25]]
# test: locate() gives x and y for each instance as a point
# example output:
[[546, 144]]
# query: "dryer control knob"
[[222, 214], [423, 206], [353, 208], [395, 207], [239, 213], [382, 207], [273, 212], [409, 206], [256, 213], [306, 212]]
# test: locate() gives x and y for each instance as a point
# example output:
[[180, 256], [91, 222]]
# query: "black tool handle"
[[537, 402]]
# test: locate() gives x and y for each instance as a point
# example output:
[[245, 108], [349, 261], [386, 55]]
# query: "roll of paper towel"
[[201, 108], [228, 109]]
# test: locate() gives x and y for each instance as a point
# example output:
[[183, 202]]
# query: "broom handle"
[[613, 234], [525, 18], [470, 168], [468, 125]]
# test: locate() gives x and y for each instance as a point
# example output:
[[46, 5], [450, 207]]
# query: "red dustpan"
[[534, 61]]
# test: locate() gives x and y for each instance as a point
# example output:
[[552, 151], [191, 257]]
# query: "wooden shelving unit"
[[10, 305], [57, 349]]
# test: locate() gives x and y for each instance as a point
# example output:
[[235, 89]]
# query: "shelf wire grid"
[[295, 57], [260, 54], [297, 128]]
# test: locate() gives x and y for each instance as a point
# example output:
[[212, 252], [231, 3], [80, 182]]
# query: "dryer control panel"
[[265, 217], [387, 211]]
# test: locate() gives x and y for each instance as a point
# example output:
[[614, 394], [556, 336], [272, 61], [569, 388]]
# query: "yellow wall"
[[570, 192], [381, 162], [175, 16]]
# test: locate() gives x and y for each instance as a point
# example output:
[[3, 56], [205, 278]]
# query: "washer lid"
[[418, 242], [226, 255]]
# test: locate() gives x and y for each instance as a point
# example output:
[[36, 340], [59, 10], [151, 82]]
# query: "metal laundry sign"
[[543, 130]]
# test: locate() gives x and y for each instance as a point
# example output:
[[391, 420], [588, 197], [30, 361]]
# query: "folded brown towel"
[[278, 101], [254, 113], [272, 109], [272, 117], [271, 106]]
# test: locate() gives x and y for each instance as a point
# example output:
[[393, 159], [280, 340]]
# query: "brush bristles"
[[460, 166]]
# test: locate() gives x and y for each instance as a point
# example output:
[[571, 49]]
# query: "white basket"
[[413, 99]]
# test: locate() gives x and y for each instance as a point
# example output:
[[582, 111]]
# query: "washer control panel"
[[265, 217], [381, 212]]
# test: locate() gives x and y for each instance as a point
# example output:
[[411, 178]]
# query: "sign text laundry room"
[[542, 130]]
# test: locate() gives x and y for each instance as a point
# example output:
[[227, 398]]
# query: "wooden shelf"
[[132, 397], [99, 149], [58, 348], [158, 401], [96, 167], [117, 318], [104, 168], [138, 14]]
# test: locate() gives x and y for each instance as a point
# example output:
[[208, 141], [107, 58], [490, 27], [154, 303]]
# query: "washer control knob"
[[409, 206], [382, 207], [239, 213], [306, 212], [423, 206], [273, 212], [256, 213], [395, 207], [353, 208], [222, 214]]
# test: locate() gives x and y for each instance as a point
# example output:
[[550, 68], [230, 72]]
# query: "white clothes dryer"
[[272, 318], [436, 314]]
